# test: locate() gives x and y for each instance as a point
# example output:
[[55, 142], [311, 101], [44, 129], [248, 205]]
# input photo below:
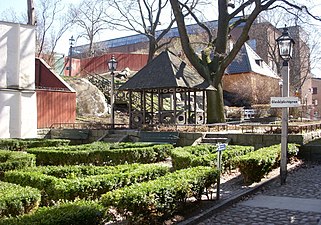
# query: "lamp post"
[[71, 43], [112, 65], [285, 46]]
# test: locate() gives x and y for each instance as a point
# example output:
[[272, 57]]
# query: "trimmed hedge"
[[163, 196], [100, 154], [255, 165], [10, 160], [23, 144], [58, 183], [16, 200], [77, 213], [205, 155]]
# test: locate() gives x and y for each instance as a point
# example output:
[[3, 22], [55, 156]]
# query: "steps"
[[210, 138], [113, 137]]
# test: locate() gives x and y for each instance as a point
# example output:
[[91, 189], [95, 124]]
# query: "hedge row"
[[23, 144], [100, 154], [205, 155], [97, 146], [160, 197], [255, 165], [78, 213], [16, 200], [76, 185], [10, 160], [83, 171]]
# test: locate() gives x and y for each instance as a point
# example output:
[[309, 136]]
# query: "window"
[[314, 91], [259, 62]]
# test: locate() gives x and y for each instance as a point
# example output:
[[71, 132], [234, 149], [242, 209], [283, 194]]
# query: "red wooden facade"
[[56, 102], [55, 107], [98, 64]]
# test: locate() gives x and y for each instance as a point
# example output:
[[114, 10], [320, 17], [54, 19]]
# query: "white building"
[[18, 105]]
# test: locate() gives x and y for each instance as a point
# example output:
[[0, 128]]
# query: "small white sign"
[[221, 147], [282, 102]]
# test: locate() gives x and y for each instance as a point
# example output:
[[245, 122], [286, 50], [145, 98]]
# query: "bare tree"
[[215, 57], [307, 48], [88, 16], [11, 15], [51, 24], [145, 17]]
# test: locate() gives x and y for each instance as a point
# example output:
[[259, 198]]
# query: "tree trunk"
[[215, 106], [151, 48]]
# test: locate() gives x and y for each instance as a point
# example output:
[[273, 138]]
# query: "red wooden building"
[[56, 100], [98, 64]]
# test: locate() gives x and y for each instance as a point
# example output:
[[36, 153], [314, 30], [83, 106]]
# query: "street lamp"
[[285, 46], [112, 66], [71, 43]]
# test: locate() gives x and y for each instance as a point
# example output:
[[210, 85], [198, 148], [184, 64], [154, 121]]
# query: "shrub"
[[161, 197], [63, 184], [23, 144], [205, 155], [16, 200], [77, 213], [255, 165], [100, 154], [10, 160]]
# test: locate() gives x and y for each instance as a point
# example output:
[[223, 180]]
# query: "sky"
[[20, 7]]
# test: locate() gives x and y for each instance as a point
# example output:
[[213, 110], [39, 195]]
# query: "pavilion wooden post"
[[175, 100], [130, 109], [143, 98], [204, 108], [152, 107], [159, 106], [195, 105]]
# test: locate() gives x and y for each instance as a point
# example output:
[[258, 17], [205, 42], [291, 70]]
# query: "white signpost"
[[284, 102]]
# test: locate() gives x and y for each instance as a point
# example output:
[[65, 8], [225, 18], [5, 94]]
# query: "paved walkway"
[[296, 202]]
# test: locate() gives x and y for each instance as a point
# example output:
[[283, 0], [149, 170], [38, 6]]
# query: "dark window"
[[314, 91]]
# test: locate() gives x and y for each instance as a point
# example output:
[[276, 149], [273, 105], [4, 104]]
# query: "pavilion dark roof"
[[166, 71]]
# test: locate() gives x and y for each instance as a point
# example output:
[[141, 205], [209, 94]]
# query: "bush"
[[82, 182], [10, 160], [255, 165], [23, 144], [161, 197], [16, 200], [100, 154], [205, 155], [78, 213]]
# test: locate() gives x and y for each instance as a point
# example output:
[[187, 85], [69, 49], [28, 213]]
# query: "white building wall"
[[18, 105]]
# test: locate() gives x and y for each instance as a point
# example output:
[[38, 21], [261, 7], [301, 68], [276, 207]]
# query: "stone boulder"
[[90, 100]]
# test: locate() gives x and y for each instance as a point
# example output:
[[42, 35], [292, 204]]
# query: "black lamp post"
[[71, 43], [112, 66], [285, 46]]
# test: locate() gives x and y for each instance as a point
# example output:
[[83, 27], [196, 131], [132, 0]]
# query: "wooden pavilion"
[[166, 91]]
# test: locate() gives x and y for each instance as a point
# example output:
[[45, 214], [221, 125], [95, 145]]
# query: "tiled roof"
[[248, 61], [166, 71]]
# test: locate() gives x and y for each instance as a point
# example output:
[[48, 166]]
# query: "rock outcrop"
[[90, 100]]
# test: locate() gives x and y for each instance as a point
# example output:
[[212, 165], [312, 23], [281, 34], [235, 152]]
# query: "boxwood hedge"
[[10, 160], [23, 144], [161, 197], [16, 200], [255, 165], [77, 213], [205, 155], [59, 183], [100, 154]]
